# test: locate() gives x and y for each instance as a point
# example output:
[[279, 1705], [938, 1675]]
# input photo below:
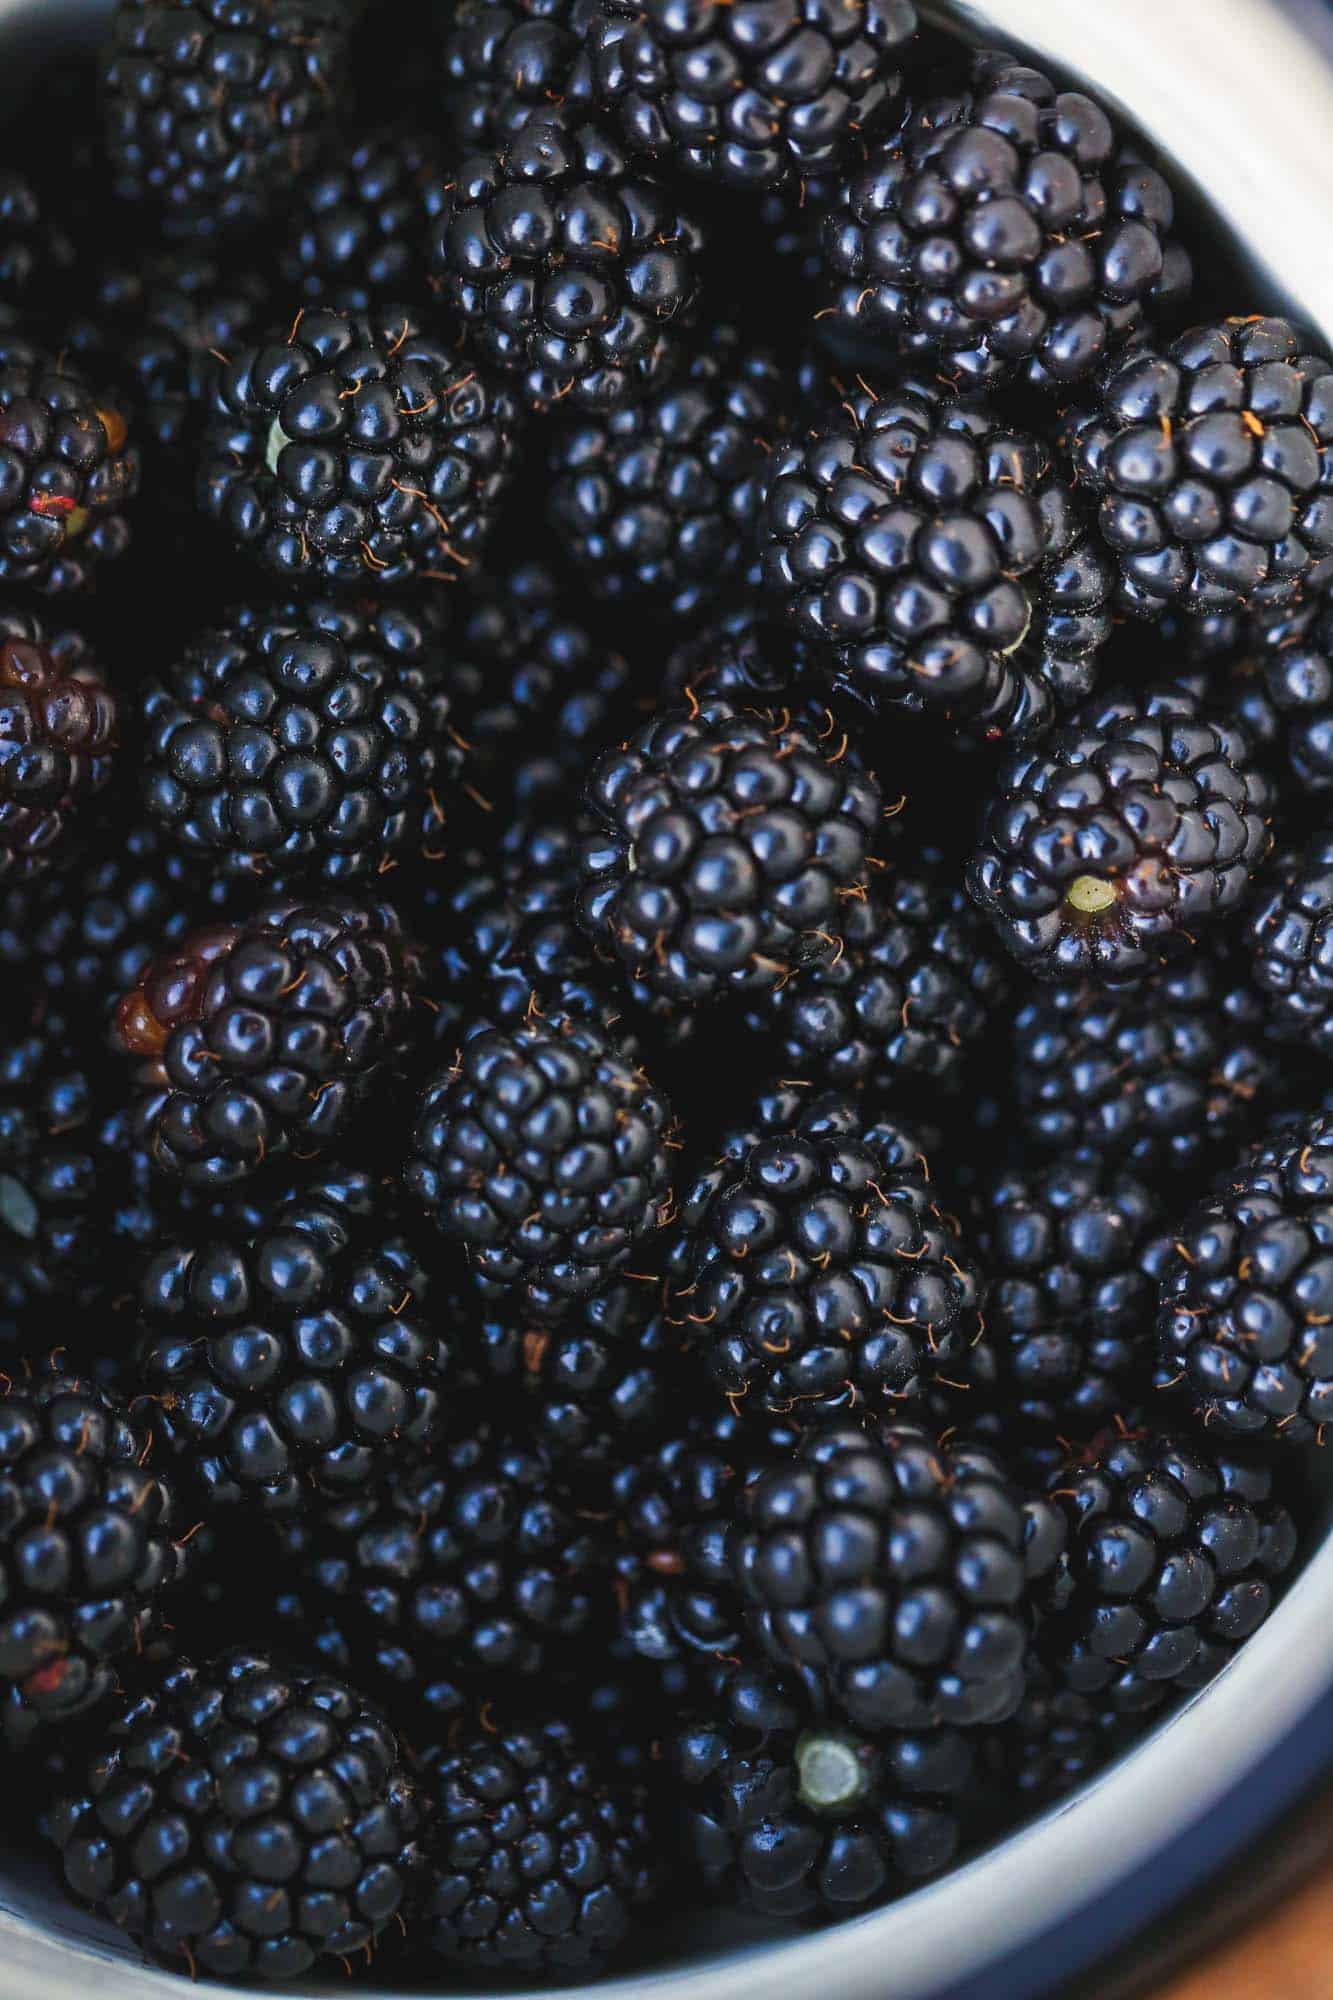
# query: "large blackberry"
[[260, 1037], [1211, 459], [355, 448], [565, 264], [310, 741], [358, 230], [507, 62], [1104, 847], [211, 108], [728, 840], [936, 560], [58, 722], [750, 96], [1004, 229], [244, 1820], [1175, 1546], [544, 1152], [68, 470], [1290, 937]]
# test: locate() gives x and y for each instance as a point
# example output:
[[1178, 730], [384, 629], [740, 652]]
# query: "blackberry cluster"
[[58, 722], [1291, 937], [68, 470], [675, 1506], [361, 226]]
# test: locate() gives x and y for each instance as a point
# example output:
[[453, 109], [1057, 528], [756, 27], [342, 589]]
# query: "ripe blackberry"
[[311, 741], [1056, 1740], [355, 448], [936, 561], [507, 62], [1102, 849], [544, 1152], [359, 225], [68, 470], [38, 257], [58, 721], [565, 264], [1293, 651], [1210, 460], [538, 1858], [790, 1814], [753, 98], [899, 1573], [211, 108], [660, 502], [1005, 229], [728, 841], [1289, 933], [244, 1820], [266, 1036], [742, 657], [1175, 1547]]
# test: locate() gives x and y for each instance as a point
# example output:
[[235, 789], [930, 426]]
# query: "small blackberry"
[[243, 1820], [1293, 651], [544, 1152], [507, 62], [211, 108], [1056, 1740], [1210, 460], [58, 721], [565, 265], [1005, 229], [1102, 849], [1290, 937], [68, 470], [936, 561], [1175, 1547], [359, 224], [261, 1037], [742, 657], [355, 448], [38, 258]]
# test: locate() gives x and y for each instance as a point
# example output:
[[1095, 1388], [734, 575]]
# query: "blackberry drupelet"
[[355, 448], [544, 1153], [727, 841], [755, 96], [58, 724], [266, 1036], [309, 741], [1289, 934], [1176, 1545], [68, 471], [1102, 849], [506, 63], [211, 108], [936, 560], [660, 502], [565, 265], [1293, 651], [1005, 230], [1056, 1740], [359, 225], [244, 1820], [1210, 459], [538, 1857]]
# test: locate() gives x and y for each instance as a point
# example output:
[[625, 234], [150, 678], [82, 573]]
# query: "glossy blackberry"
[[311, 741], [544, 1153], [728, 840], [1005, 230], [1102, 850], [58, 738], [507, 62], [68, 471], [1289, 934], [538, 1858], [87, 1555], [1175, 1548], [753, 97], [244, 1820], [211, 108], [38, 257], [1293, 651], [1168, 1076], [265, 1036], [359, 223], [1209, 459], [791, 1814], [936, 560], [565, 264], [1056, 1740], [660, 502], [900, 1573], [741, 656], [355, 448]]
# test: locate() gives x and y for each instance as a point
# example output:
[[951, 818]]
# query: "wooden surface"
[[1286, 1955]]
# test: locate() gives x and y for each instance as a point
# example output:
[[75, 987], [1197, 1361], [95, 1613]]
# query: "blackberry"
[[565, 264], [211, 108], [260, 1037], [791, 1814], [1102, 849], [38, 257], [311, 740], [1005, 230], [68, 471], [728, 840], [1290, 937], [742, 657], [660, 502], [359, 225], [544, 1152], [244, 1820], [1175, 1548], [1056, 1740], [936, 561], [538, 1858], [1210, 462], [753, 98], [506, 63], [58, 721], [355, 448], [1293, 651], [900, 1573]]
